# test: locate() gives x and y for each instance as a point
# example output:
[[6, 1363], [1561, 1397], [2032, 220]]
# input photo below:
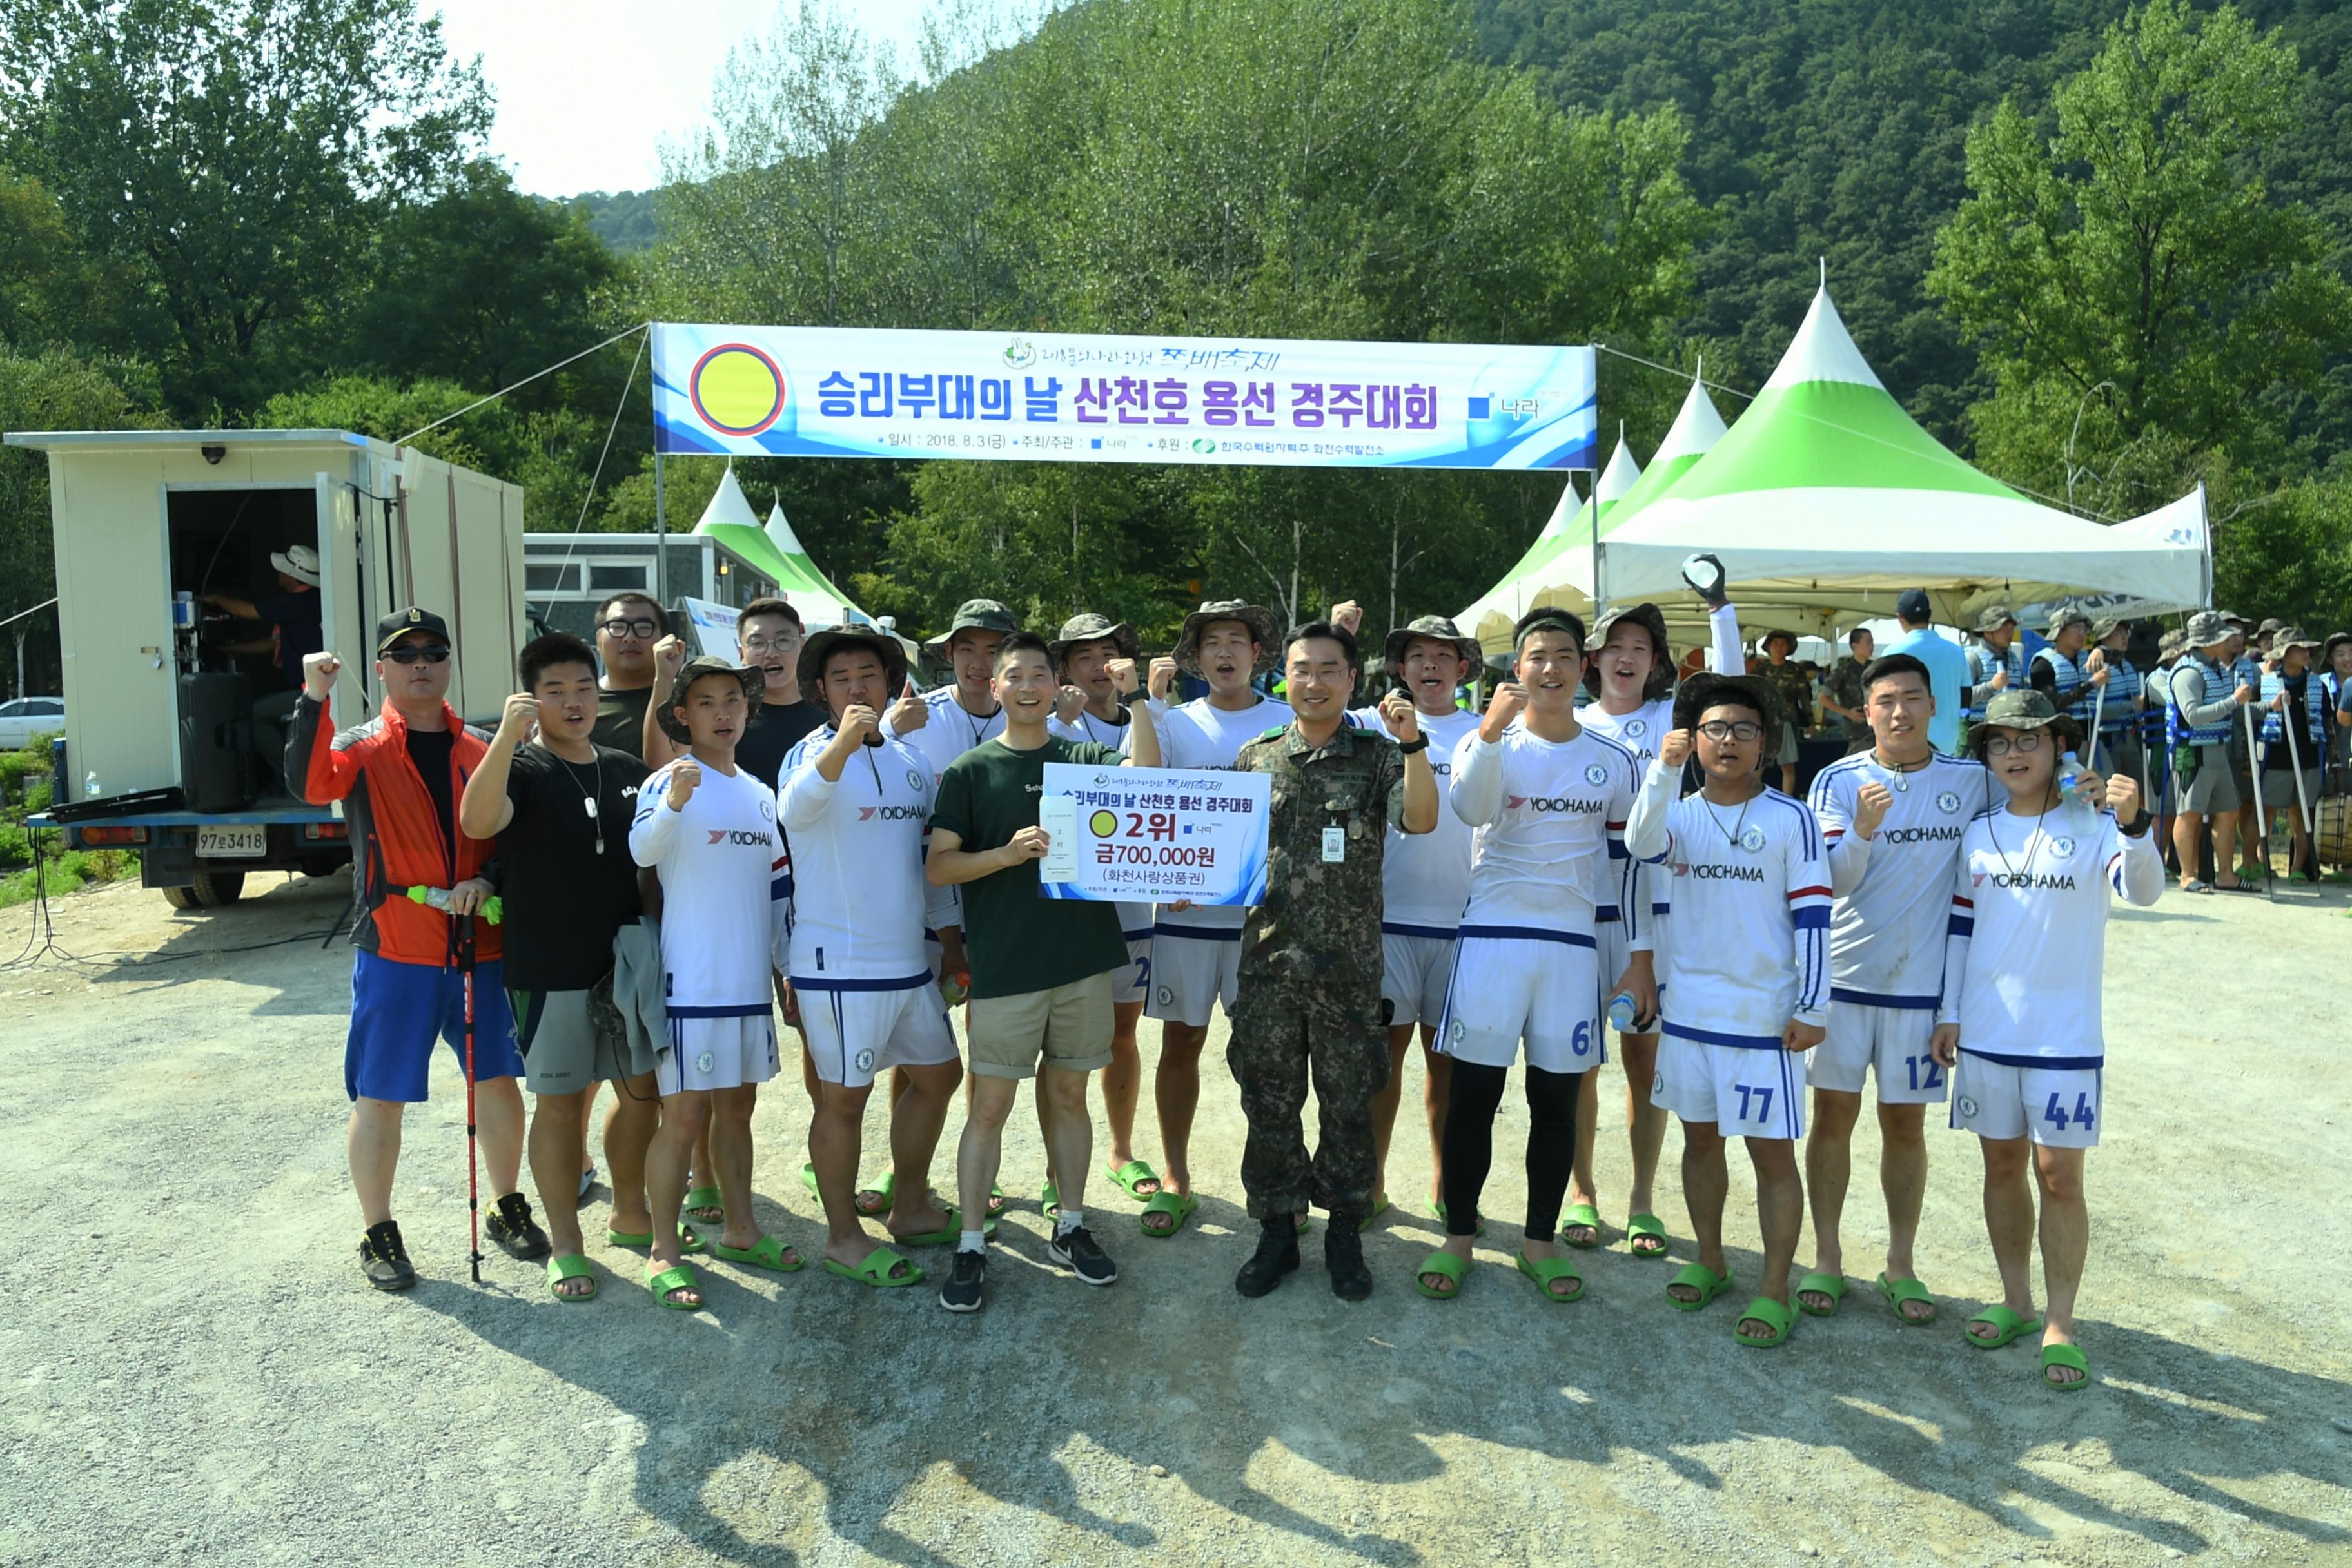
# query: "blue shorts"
[[397, 1010]]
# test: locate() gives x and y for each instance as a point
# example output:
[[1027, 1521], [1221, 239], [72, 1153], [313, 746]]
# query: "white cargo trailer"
[[147, 522]]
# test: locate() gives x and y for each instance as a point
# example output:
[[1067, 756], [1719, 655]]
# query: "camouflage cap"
[[754, 680], [2064, 615], [975, 615], [2172, 644], [1651, 619], [2207, 628], [1436, 628], [2271, 623], [1088, 626], [2104, 626], [2015, 708], [1996, 617], [1258, 617], [2292, 636]]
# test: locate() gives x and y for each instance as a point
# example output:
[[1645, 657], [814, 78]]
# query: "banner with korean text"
[[1155, 834], [845, 392]]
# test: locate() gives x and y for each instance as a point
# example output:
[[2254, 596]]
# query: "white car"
[[30, 716]]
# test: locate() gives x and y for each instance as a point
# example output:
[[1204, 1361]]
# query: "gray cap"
[[2207, 628]]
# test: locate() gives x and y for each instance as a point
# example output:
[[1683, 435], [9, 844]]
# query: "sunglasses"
[[436, 654]]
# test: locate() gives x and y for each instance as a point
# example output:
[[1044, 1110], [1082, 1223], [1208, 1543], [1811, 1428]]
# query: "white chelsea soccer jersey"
[[1893, 890], [725, 888], [1426, 877], [1751, 912], [1198, 735], [860, 900], [1549, 851], [2027, 943], [1638, 731]]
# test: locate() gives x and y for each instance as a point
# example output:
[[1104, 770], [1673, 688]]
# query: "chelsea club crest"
[[1949, 802], [1752, 840], [1595, 774]]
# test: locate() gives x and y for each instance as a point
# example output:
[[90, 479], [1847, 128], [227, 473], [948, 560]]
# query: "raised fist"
[[683, 775], [1347, 616], [1870, 803], [1510, 699], [519, 719], [1122, 675], [1164, 677], [1674, 749], [670, 655], [1397, 713], [319, 672]]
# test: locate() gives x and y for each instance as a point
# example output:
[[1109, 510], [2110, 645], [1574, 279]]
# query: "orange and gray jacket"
[[397, 840]]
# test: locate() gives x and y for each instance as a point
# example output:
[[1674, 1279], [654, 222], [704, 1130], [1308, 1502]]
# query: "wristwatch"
[[1134, 699], [1418, 743]]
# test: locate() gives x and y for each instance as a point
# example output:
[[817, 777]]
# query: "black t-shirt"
[[564, 897], [776, 729], [429, 749], [621, 720]]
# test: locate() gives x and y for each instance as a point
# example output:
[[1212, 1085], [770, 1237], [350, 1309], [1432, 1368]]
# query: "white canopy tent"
[[1827, 500]]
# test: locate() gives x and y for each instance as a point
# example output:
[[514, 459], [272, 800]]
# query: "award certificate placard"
[[1154, 834]]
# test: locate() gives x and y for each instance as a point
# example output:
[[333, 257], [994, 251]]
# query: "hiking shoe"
[[384, 1260], [961, 1293], [1276, 1254], [512, 1226], [1343, 1255], [1076, 1250]]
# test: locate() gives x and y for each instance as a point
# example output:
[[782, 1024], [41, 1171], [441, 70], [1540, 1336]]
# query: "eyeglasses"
[[2025, 742], [770, 645], [1719, 730], [642, 627], [438, 654]]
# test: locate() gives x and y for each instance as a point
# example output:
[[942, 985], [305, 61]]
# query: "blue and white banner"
[[1153, 834], [845, 392]]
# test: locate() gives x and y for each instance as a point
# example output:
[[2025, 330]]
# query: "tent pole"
[[1593, 487], [661, 537]]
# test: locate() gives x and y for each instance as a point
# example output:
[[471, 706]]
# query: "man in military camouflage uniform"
[[1310, 964]]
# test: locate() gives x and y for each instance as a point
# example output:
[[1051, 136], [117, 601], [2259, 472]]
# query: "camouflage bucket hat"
[[2061, 617], [1091, 627], [2028, 710], [1995, 617], [1259, 619], [754, 680], [2292, 636], [885, 647], [2207, 628], [1704, 690], [1436, 628], [974, 615], [2105, 626], [1651, 619], [2271, 624]]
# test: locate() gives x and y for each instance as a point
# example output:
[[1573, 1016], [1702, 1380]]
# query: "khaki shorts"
[[1069, 1027]]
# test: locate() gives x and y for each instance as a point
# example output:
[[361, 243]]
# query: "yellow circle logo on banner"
[[1104, 822], [736, 389]]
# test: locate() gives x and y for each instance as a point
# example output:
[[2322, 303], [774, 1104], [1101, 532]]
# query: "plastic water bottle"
[[2071, 790], [89, 785], [1622, 1011]]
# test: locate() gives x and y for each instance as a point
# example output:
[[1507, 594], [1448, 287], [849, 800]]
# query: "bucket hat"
[[2011, 708], [2207, 628], [973, 615], [892, 653], [1259, 619], [296, 561], [1651, 619], [2065, 615], [2292, 636], [754, 680], [1704, 690], [1091, 627], [1436, 628], [1996, 617]]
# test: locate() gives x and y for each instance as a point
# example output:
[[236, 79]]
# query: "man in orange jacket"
[[399, 776]]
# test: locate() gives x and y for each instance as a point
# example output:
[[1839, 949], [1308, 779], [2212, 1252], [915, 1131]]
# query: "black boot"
[[510, 1224], [1343, 1255], [1276, 1254]]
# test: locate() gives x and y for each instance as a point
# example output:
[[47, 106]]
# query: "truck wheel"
[[215, 890], [182, 898]]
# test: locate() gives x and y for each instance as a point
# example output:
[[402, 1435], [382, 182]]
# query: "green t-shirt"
[[1018, 942]]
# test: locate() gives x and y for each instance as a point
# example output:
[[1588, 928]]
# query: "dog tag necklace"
[[588, 797]]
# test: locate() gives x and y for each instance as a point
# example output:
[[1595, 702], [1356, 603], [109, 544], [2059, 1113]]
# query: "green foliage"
[[24, 790], [623, 220], [52, 391]]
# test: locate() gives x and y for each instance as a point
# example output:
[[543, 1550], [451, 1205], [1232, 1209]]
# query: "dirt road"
[[195, 1374]]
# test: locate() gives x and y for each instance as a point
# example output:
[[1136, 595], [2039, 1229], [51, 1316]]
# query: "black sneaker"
[[384, 1260], [1276, 1254], [1343, 1255], [961, 1293], [512, 1226], [1076, 1250]]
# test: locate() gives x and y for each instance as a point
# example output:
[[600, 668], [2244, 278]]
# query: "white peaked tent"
[[1558, 568], [775, 553], [809, 590], [1826, 500]]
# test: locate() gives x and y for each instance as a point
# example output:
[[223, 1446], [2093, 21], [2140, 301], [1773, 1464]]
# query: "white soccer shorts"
[[2056, 1106], [716, 1053], [1541, 988], [1414, 970], [1133, 984], [1193, 969], [1893, 1041], [859, 1029], [1746, 1091]]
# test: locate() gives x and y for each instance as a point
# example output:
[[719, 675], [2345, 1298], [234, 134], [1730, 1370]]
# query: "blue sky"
[[587, 90]]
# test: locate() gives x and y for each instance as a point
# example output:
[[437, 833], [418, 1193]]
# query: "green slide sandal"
[[570, 1266], [1773, 1316], [765, 1253], [1697, 1276], [1049, 1202], [808, 1178], [1833, 1286], [1380, 1207], [883, 1270], [1133, 1174], [704, 1205], [1546, 1271], [947, 1234], [688, 1239], [666, 1284], [1177, 1206], [1644, 1227], [1899, 1291], [2008, 1324], [884, 1192], [2065, 1356], [1586, 1216], [1445, 1265], [997, 1202]]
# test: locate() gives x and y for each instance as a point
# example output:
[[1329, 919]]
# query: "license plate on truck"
[[243, 841]]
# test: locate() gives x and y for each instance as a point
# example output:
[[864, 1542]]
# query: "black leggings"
[[1477, 1094]]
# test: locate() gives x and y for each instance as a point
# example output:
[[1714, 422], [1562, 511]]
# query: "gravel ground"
[[196, 1373]]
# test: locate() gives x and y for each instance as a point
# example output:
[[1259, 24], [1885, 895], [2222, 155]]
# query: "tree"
[[233, 155], [2138, 259]]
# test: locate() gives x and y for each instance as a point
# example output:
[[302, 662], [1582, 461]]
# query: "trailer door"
[[343, 588]]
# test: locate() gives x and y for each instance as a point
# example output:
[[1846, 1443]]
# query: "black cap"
[[1914, 605], [400, 623]]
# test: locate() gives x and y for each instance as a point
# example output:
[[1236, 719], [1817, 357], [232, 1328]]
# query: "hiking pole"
[[465, 931], [2262, 816]]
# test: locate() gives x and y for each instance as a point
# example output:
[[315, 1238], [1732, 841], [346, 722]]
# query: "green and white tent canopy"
[[1557, 570], [1826, 500], [775, 553]]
